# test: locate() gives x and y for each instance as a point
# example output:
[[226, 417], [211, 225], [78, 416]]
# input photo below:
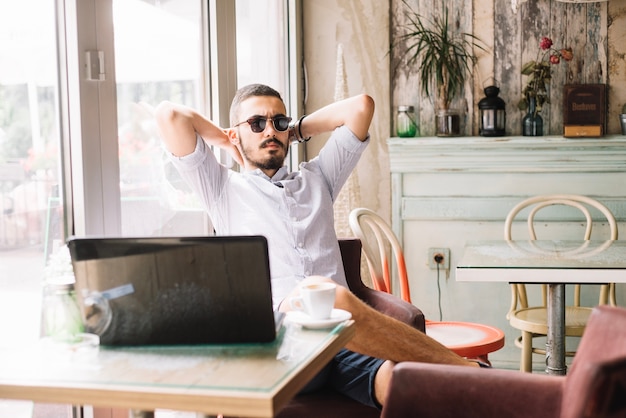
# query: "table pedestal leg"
[[555, 344]]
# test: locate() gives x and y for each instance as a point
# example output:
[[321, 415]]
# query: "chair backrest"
[[596, 382], [537, 203], [363, 220]]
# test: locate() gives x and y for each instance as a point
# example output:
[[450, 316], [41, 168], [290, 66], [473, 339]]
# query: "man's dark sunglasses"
[[258, 123]]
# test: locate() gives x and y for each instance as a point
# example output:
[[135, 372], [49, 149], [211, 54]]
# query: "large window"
[[163, 59], [31, 213], [31, 217], [261, 53], [160, 59], [79, 152]]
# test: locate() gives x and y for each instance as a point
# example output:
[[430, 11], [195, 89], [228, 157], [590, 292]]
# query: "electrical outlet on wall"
[[439, 258]]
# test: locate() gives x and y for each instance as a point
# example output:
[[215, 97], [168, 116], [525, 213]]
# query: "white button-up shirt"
[[294, 211]]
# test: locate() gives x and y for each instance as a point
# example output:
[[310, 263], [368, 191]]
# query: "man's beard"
[[273, 162]]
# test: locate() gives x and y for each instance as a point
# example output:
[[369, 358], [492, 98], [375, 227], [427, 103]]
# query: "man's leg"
[[378, 335], [382, 380], [381, 336]]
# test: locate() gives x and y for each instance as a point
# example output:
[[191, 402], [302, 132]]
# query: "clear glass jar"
[[406, 127], [62, 319]]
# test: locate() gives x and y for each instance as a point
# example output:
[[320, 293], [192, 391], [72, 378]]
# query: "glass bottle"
[[532, 123], [62, 319], [405, 122]]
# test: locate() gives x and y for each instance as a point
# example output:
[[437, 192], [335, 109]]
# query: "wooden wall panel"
[[616, 56], [513, 39], [405, 81], [507, 60]]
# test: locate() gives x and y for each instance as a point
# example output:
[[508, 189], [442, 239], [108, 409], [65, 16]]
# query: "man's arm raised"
[[356, 113], [178, 126]]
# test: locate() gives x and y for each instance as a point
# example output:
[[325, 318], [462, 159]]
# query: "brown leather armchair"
[[595, 386], [328, 403], [381, 301]]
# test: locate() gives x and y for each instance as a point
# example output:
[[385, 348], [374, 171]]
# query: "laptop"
[[174, 290]]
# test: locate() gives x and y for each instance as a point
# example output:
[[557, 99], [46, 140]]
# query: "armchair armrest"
[[393, 306], [384, 302], [432, 390]]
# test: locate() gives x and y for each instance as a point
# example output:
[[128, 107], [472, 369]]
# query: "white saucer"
[[336, 316]]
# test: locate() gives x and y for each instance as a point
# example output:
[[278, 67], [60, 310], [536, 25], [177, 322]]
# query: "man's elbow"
[[364, 109], [362, 115], [366, 104], [175, 128], [166, 112]]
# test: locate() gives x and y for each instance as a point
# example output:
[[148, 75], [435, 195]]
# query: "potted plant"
[[444, 60]]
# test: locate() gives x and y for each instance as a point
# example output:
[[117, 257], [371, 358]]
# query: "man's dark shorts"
[[351, 374]]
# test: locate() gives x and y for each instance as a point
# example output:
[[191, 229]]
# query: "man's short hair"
[[246, 92]]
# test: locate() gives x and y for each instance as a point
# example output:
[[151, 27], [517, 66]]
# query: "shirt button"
[[300, 245], [294, 219], [307, 273]]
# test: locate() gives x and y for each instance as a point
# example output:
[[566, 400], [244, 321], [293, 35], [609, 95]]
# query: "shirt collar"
[[281, 174]]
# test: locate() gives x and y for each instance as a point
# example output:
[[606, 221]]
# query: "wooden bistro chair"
[[532, 318], [467, 339]]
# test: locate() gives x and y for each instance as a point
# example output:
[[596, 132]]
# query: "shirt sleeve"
[[202, 172], [338, 158]]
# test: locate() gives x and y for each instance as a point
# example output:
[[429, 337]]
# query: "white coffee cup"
[[316, 300]]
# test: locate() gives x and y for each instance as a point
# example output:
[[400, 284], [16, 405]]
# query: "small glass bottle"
[[405, 122], [62, 320]]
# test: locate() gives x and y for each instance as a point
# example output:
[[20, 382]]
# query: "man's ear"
[[233, 136]]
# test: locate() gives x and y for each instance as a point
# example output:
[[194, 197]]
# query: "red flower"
[[538, 72], [545, 43]]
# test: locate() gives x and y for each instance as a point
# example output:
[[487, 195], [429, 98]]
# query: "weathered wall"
[[362, 28], [595, 31], [616, 56]]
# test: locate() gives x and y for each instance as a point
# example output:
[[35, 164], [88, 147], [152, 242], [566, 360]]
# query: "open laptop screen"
[[185, 290]]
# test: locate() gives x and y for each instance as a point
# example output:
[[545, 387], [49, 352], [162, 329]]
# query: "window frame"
[[90, 189]]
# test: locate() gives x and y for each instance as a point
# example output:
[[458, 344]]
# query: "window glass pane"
[[158, 56], [262, 44], [31, 213]]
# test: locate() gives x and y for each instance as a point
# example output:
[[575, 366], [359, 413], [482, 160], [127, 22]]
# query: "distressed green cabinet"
[[446, 191]]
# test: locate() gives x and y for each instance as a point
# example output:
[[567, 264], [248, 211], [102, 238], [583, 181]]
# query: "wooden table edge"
[[249, 404]]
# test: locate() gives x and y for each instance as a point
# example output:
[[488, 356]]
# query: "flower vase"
[[532, 123]]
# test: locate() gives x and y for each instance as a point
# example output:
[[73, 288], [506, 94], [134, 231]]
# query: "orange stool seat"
[[467, 339]]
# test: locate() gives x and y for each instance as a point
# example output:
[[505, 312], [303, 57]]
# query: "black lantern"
[[492, 113]]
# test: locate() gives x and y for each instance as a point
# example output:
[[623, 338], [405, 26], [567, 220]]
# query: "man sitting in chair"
[[293, 210]]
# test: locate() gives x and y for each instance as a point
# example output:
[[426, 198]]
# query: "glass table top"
[[544, 255], [238, 367]]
